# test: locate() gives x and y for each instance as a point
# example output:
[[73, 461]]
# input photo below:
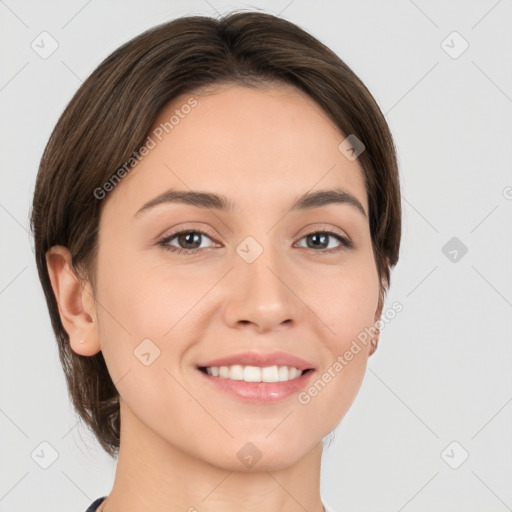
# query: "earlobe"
[[75, 301]]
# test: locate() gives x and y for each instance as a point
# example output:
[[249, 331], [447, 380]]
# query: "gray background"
[[442, 372]]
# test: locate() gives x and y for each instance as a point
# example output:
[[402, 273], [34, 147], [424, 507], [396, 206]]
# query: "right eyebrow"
[[191, 197]]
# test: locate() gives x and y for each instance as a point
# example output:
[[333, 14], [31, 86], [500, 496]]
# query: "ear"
[[378, 314], [75, 300]]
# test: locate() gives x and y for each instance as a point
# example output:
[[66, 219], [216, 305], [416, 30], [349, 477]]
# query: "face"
[[182, 286]]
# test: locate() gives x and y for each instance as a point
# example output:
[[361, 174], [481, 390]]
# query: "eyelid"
[[187, 228], [319, 228]]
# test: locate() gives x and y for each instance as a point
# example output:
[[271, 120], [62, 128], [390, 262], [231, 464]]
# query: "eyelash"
[[345, 243]]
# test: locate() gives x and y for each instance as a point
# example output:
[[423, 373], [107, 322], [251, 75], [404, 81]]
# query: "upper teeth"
[[255, 373]]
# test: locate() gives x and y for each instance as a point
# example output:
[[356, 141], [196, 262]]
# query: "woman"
[[216, 215]]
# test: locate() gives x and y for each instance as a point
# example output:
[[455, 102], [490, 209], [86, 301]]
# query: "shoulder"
[[95, 504]]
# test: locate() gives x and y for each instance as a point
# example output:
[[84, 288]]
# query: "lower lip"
[[259, 392]]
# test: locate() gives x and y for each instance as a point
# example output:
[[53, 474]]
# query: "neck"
[[152, 475]]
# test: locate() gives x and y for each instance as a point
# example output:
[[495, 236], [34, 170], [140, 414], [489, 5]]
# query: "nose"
[[262, 295]]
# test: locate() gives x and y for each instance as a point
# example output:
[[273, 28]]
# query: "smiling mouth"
[[255, 373]]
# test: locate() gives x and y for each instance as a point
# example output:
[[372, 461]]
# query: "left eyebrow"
[[213, 201], [325, 197]]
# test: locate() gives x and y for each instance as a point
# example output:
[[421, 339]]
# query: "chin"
[[261, 455]]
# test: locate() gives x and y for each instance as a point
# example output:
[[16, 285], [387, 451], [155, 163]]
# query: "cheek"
[[135, 301], [345, 303], [144, 310], [137, 310]]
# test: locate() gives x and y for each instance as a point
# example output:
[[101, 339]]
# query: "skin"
[[257, 147]]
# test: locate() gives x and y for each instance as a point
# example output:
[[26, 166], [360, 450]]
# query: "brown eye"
[[189, 241], [190, 237], [323, 239]]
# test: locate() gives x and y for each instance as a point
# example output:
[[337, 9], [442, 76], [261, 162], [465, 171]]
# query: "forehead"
[[253, 145]]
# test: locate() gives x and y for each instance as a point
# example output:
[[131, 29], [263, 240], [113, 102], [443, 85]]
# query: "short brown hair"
[[110, 116]]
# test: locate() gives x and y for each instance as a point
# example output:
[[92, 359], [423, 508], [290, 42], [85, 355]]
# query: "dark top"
[[95, 504]]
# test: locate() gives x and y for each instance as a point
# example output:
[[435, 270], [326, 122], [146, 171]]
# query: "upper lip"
[[261, 360]]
